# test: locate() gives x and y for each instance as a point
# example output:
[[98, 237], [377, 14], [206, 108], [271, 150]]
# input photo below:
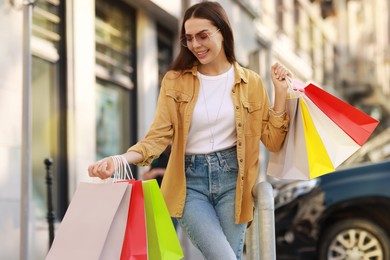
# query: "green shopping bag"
[[163, 242]]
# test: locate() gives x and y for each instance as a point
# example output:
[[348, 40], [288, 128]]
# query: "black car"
[[342, 215]]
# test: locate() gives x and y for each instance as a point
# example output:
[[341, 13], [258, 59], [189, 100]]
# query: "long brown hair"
[[215, 13]]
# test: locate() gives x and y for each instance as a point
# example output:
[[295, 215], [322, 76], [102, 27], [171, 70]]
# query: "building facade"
[[96, 68], [363, 68]]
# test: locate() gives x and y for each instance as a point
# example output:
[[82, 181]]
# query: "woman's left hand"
[[278, 75]]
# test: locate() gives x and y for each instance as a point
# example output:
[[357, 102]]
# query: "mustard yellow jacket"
[[178, 95]]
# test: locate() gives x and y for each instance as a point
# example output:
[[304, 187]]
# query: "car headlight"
[[293, 190]]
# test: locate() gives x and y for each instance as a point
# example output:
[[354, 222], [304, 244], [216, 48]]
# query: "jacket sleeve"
[[274, 129], [159, 134]]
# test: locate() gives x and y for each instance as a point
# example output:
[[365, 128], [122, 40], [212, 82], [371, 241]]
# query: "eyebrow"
[[204, 30]]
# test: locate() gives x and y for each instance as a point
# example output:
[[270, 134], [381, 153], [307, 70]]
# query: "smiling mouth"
[[200, 54]]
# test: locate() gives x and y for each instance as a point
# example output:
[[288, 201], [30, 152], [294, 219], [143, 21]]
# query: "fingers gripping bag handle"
[[295, 88], [122, 169]]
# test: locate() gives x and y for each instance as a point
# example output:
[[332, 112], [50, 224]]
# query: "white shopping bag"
[[94, 224]]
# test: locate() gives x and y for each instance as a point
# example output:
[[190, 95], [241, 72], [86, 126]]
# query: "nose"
[[195, 43]]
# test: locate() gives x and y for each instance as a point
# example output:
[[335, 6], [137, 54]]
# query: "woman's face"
[[204, 40]]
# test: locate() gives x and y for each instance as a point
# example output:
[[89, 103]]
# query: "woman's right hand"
[[103, 168]]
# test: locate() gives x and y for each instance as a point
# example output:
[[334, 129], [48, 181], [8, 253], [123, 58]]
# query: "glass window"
[[115, 74], [46, 21], [112, 122], [43, 129], [165, 53], [46, 117], [48, 103], [115, 34]]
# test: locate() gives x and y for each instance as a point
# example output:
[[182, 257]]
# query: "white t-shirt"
[[213, 126]]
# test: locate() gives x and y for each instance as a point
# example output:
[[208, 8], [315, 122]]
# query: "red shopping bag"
[[358, 125], [135, 242]]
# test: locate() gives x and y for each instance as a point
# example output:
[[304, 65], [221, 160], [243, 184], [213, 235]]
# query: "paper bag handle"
[[122, 168], [293, 92]]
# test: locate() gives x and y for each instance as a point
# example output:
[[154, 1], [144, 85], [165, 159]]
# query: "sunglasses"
[[201, 37]]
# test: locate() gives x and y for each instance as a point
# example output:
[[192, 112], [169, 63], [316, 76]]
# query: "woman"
[[214, 113]]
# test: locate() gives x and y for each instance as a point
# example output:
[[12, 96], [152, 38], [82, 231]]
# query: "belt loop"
[[193, 159], [219, 155]]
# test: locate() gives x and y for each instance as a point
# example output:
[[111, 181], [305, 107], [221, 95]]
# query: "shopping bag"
[[290, 161], [94, 224], [358, 125], [339, 145], [303, 155], [163, 242], [135, 240], [318, 157], [324, 131]]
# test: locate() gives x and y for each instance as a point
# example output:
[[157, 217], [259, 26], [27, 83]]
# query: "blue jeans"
[[208, 217]]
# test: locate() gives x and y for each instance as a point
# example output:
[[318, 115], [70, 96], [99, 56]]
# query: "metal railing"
[[260, 237], [50, 208]]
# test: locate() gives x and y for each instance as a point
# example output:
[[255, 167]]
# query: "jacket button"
[[237, 107], [178, 97], [242, 177], [239, 125], [239, 143], [234, 91], [241, 160]]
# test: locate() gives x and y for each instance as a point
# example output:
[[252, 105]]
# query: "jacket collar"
[[239, 73]]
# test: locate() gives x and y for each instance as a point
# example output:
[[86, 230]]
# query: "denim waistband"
[[220, 153]]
